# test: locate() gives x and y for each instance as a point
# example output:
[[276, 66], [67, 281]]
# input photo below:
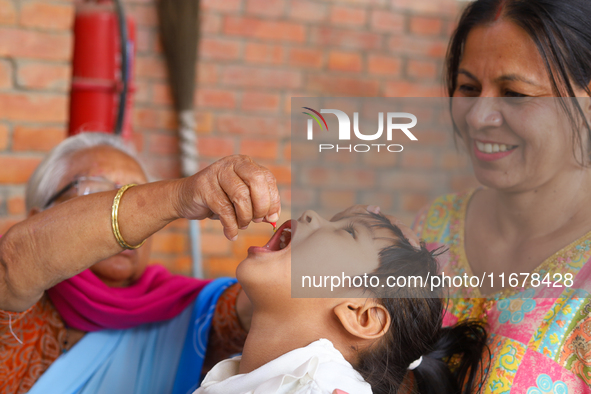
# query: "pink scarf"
[[87, 304]]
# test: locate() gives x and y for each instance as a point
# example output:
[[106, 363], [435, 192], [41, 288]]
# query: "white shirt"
[[318, 368]]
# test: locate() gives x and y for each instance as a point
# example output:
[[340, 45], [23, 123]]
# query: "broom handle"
[[189, 166]]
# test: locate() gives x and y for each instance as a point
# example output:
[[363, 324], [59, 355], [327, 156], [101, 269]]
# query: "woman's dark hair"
[[560, 29], [416, 329]]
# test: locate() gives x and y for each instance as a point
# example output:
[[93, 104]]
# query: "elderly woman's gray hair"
[[45, 180]]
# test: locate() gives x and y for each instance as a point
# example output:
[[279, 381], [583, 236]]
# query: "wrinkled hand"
[[357, 209], [234, 190]]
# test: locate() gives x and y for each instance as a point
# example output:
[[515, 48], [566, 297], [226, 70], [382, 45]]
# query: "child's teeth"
[[282, 245], [495, 148], [502, 148], [488, 148]]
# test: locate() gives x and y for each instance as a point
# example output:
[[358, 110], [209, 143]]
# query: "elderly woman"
[[533, 216], [87, 241]]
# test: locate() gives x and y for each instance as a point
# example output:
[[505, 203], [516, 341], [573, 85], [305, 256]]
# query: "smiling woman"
[[518, 73]]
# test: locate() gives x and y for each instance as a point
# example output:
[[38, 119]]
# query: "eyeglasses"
[[83, 186]]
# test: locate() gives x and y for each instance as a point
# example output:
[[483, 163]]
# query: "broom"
[[179, 29]]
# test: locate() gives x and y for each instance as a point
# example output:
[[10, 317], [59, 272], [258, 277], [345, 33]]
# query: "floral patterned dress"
[[538, 345]]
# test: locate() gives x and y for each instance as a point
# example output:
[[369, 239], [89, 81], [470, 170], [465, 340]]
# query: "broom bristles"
[[179, 27]]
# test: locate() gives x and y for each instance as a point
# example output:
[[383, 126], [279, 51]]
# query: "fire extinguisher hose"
[[124, 67]]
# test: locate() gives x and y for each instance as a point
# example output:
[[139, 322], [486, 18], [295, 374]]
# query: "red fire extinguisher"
[[101, 98]]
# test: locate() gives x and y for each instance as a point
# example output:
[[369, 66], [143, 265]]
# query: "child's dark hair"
[[416, 329]]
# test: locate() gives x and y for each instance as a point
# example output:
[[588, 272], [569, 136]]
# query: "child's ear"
[[363, 318]]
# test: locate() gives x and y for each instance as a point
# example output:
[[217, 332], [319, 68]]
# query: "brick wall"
[[254, 56]]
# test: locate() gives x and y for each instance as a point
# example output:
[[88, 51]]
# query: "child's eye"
[[351, 230]]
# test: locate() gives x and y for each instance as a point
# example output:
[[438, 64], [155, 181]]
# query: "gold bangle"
[[115, 220]]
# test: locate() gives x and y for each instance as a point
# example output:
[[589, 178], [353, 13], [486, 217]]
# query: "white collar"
[[318, 368]]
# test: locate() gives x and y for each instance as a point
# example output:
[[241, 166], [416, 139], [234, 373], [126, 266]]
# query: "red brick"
[[259, 149], [6, 224], [215, 146], [181, 265], [343, 85], [207, 73], [16, 205], [421, 69], [463, 182], [38, 75], [418, 159], [221, 266], [33, 107], [285, 196], [344, 61], [40, 139], [249, 125], [446, 7], [224, 6], [425, 26], [349, 16], [407, 181], [164, 167], [270, 8], [381, 159], [308, 11], [3, 137], [388, 22], [137, 139], [258, 101], [33, 44], [215, 244], [384, 65], [215, 98], [204, 122], [264, 29], [409, 89], [169, 243], [219, 49], [454, 160], [145, 40], [164, 144], [210, 22], [144, 14], [43, 15], [281, 173], [15, 169], [421, 46], [305, 57], [345, 39], [413, 202], [263, 53], [161, 94], [260, 77], [5, 74], [382, 200], [7, 12], [337, 199], [150, 67], [286, 152], [155, 118]]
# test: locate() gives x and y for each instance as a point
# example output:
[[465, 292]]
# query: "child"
[[360, 344]]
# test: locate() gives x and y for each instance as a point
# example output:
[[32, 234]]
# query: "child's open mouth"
[[279, 241]]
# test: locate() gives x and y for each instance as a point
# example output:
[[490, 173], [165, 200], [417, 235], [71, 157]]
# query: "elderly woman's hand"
[[234, 189], [357, 209]]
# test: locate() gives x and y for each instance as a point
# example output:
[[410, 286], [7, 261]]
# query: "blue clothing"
[[159, 358]]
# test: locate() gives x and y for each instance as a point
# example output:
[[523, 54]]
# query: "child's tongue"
[[281, 238]]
